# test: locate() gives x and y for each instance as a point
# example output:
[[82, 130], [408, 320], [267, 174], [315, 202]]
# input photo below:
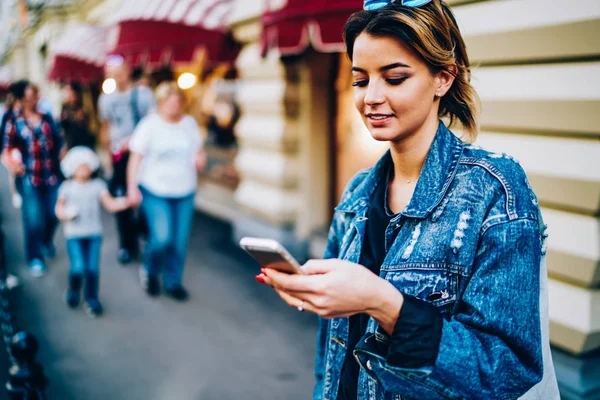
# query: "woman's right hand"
[[14, 164], [134, 195]]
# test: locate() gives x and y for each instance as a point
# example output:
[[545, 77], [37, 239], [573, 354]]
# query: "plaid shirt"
[[40, 147]]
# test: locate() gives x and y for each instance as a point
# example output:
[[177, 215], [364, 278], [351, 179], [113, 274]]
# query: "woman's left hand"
[[330, 288], [200, 161]]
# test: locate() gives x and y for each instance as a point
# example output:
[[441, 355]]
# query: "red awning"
[[79, 55], [173, 31], [297, 24]]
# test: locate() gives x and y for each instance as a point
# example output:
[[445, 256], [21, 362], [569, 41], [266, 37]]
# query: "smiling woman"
[[434, 283]]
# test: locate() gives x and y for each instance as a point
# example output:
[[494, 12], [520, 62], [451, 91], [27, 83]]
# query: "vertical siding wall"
[[538, 76]]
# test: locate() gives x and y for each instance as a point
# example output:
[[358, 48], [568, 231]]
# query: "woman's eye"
[[362, 83], [396, 81]]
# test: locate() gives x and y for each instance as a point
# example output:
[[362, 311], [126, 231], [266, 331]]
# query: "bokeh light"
[[187, 80], [109, 86]]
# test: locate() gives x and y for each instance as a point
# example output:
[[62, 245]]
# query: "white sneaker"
[[17, 201], [12, 281], [37, 268]]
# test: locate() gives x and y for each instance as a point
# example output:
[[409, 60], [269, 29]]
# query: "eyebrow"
[[384, 68]]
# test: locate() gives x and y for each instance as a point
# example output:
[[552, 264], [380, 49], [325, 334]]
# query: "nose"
[[375, 94]]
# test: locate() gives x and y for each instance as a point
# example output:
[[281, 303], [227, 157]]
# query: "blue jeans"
[[39, 220], [84, 253], [169, 223]]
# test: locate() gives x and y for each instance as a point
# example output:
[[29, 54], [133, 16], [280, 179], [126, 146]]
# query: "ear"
[[444, 79]]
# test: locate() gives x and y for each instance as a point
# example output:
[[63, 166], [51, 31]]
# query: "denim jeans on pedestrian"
[[84, 253], [169, 223], [39, 219]]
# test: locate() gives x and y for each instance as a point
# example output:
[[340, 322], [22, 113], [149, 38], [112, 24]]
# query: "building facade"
[[538, 74]]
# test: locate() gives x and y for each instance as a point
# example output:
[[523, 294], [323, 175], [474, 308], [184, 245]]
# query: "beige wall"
[[539, 81], [284, 132], [538, 74], [537, 70]]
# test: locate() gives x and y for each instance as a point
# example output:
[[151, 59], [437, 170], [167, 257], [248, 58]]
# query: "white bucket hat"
[[75, 157]]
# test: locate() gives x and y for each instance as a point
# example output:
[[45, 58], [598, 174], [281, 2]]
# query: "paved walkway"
[[234, 339]]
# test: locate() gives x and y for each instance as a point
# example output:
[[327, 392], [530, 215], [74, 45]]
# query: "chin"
[[384, 135]]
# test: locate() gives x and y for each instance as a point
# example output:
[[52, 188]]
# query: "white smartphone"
[[270, 253]]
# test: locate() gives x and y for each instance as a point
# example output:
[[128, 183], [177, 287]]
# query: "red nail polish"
[[259, 279]]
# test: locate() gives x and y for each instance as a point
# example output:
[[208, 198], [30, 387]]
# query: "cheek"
[[359, 99], [414, 98]]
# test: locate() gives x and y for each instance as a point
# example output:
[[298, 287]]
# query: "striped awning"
[[79, 54], [172, 31], [5, 78], [291, 26]]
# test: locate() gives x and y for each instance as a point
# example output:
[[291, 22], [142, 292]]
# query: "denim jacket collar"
[[436, 176]]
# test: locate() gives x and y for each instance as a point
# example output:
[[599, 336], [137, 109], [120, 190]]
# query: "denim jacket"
[[472, 231]]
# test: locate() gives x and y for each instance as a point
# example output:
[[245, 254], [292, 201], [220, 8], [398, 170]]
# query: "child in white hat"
[[78, 207]]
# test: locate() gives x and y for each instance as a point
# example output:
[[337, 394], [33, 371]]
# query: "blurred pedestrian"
[[435, 284], [221, 123], [11, 106], [75, 121], [78, 207], [139, 77], [120, 112], [35, 144], [166, 154]]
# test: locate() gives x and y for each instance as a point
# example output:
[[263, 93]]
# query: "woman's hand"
[[335, 289], [13, 161], [16, 167], [134, 196], [200, 161]]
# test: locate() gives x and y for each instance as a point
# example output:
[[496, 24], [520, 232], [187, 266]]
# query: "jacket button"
[[369, 365]]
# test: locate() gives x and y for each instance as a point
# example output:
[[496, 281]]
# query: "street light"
[[109, 86], [186, 80]]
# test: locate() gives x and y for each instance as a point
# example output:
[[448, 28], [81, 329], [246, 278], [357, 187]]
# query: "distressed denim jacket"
[[474, 233]]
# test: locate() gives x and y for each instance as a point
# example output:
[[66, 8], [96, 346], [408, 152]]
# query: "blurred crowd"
[[134, 152]]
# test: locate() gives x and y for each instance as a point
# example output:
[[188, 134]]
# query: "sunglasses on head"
[[371, 5]]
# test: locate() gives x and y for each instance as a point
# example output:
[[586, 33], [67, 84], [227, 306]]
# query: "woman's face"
[[172, 106], [31, 98], [394, 90], [69, 95]]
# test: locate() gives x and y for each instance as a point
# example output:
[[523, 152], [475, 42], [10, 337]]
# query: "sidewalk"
[[233, 339]]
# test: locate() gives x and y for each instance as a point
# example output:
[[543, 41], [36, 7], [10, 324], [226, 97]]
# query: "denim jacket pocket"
[[436, 283]]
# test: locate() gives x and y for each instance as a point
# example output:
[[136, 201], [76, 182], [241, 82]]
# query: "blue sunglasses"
[[371, 5]]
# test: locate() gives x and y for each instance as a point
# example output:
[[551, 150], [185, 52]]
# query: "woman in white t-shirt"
[[166, 154]]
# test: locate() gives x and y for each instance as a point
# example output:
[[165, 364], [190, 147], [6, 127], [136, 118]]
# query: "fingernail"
[[259, 279], [264, 271]]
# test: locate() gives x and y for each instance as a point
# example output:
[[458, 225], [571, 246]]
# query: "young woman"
[[435, 283], [74, 120], [166, 154], [39, 143]]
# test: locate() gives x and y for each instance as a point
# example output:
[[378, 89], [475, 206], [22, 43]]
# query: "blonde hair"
[[166, 89], [432, 32]]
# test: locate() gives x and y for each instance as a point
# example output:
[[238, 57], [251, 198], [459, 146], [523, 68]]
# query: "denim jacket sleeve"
[[331, 251], [492, 346]]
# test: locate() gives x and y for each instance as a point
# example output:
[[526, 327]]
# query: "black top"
[[424, 317], [75, 124]]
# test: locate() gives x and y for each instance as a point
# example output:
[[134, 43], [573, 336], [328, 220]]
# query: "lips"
[[379, 120]]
